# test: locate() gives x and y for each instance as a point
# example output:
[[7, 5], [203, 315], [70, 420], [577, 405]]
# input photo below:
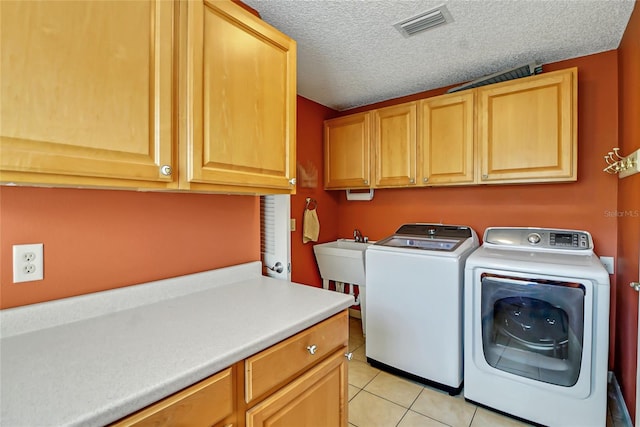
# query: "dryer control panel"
[[543, 238]]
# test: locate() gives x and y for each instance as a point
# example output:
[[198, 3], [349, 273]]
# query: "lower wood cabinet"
[[317, 398], [300, 381], [207, 403]]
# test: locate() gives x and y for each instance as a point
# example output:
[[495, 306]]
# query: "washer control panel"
[[543, 238]]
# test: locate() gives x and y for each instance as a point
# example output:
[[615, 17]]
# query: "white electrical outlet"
[[28, 263], [607, 261]]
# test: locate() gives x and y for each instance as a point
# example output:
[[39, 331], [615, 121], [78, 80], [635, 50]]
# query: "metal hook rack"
[[622, 165]]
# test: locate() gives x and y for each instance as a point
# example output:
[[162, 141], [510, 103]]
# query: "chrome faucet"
[[357, 235]]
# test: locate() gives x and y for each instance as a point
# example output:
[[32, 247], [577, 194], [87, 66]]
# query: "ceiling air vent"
[[514, 73], [424, 21]]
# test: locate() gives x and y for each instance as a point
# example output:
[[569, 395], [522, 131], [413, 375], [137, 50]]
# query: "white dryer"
[[537, 326], [414, 302]]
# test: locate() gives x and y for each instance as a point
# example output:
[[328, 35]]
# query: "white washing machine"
[[536, 329], [414, 302]]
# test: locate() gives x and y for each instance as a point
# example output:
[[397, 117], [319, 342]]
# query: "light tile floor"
[[380, 399]]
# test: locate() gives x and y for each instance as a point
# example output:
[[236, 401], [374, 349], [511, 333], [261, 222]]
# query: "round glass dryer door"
[[533, 328]]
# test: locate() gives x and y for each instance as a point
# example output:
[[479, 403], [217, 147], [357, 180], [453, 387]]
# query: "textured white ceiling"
[[349, 53]]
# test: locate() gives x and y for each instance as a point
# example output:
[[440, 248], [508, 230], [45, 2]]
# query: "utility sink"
[[342, 261]]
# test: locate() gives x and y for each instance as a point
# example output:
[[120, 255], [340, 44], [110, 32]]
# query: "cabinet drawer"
[[282, 362], [203, 404]]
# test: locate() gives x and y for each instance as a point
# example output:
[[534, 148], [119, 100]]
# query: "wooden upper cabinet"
[[518, 131], [86, 92], [347, 152], [394, 142], [446, 139], [527, 129], [241, 99]]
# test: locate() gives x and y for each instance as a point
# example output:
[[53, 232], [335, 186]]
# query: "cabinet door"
[[446, 139], [317, 398], [528, 129], [394, 141], [86, 92], [241, 98], [347, 152]]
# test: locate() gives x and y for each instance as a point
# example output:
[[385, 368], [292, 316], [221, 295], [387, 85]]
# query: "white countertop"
[[91, 360]]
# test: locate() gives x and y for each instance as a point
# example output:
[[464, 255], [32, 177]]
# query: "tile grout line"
[[475, 411]]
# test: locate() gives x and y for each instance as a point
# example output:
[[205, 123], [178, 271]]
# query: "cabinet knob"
[[635, 285], [292, 181], [166, 170], [485, 176], [312, 349], [366, 182], [425, 179], [349, 355]]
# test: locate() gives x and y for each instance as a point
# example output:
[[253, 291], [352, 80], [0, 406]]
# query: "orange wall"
[[311, 116], [629, 214], [99, 239]]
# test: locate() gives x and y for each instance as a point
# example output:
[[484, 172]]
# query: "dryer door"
[[535, 328]]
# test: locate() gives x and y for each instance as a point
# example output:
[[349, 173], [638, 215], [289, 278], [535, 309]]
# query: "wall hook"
[[615, 153], [622, 165], [311, 204]]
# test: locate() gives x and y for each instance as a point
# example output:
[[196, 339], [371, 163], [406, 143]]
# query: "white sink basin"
[[342, 261]]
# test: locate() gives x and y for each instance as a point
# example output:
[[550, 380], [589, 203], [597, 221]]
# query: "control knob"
[[534, 238]]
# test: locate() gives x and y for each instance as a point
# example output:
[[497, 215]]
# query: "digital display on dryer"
[[563, 239]]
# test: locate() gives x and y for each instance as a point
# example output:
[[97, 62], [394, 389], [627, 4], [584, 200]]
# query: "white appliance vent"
[[501, 76], [424, 21]]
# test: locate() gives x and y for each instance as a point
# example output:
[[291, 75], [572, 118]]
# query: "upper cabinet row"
[[520, 131], [188, 95]]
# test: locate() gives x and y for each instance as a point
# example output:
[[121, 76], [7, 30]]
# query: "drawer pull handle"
[[312, 349], [349, 355]]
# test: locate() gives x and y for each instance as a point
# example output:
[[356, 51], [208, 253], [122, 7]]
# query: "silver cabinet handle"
[[349, 355], [166, 170], [425, 179], [292, 181], [312, 349], [366, 182], [277, 267], [411, 180], [635, 285]]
